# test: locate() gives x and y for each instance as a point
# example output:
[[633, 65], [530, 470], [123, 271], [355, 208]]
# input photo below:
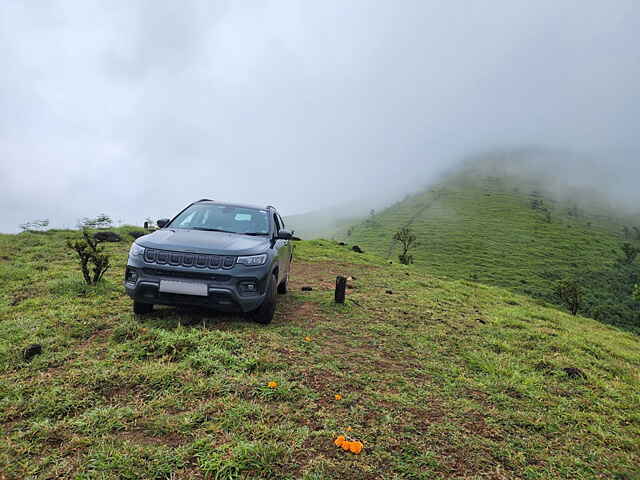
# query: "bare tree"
[[408, 240]]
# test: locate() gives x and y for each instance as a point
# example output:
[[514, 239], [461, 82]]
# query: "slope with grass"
[[508, 231], [438, 379]]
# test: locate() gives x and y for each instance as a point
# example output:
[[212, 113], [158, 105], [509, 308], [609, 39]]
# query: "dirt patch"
[[322, 275]]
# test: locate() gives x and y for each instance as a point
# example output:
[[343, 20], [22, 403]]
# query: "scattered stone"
[[484, 322], [107, 237], [573, 372], [390, 292], [342, 244], [357, 249], [31, 351], [306, 289], [137, 233], [350, 286]]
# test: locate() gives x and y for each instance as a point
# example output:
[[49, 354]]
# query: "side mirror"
[[284, 235], [162, 222]]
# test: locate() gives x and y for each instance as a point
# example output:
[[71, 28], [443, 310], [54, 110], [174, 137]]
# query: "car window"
[[277, 223], [227, 218], [282, 225]]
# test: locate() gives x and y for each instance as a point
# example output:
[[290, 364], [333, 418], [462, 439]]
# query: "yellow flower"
[[349, 429], [307, 339], [272, 384], [338, 396]]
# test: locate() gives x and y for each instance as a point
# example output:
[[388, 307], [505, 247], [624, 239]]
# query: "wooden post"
[[341, 288]]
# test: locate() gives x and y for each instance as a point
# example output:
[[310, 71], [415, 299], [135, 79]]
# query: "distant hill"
[[509, 221]]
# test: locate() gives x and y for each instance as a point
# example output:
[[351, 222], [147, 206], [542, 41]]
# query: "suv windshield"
[[223, 218]]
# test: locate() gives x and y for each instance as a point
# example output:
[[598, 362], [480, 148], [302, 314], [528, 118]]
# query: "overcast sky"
[[136, 108]]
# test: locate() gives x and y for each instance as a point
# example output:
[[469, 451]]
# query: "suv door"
[[283, 249], [288, 245]]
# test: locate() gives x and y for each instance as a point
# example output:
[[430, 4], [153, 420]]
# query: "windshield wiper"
[[211, 229], [255, 234]]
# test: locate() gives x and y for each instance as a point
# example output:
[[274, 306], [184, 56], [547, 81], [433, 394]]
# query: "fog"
[[138, 108]]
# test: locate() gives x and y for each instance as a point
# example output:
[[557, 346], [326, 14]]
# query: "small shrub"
[[408, 240], [35, 225], [630, 253], [570, 293], [93, 261], [101, 221]]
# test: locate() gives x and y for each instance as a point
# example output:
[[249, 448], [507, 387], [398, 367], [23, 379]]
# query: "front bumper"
[[224, 287]]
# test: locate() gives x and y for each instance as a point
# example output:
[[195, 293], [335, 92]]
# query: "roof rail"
[[271, 206], [203, 200]]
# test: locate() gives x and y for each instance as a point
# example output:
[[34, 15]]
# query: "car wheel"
[[264, 313], [284, 286], [140, 308]]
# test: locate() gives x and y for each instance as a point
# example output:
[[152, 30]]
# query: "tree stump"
[[341, 288]]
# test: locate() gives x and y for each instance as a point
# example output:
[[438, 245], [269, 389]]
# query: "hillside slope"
[[508, 231], [438, 379]]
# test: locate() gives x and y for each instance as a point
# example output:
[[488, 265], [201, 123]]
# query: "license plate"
[[184, 288]]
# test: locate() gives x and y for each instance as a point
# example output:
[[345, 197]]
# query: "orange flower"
[[307, 339], [338, 396], [346, 445], [339, 441], [272, 384], [356, 447]]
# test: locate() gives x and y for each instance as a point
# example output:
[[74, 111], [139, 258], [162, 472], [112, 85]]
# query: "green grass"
[[483, 228], [440, 379]]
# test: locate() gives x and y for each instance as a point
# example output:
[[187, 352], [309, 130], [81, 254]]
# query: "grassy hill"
[[499, 228], [438, 379]]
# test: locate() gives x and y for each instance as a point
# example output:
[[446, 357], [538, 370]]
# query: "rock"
[[390, 292], [349, 286], [342, 244], [31, 351], [357, 249], [573, 372], [306, 289], [137, 233], [107, 237], [484, 322]]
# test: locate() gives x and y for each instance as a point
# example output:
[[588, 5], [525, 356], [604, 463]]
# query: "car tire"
[[140, 308], [284, 285], [264, 313]]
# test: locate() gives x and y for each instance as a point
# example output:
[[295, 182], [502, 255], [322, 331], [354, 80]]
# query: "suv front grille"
[[183, 259], [158, 272]]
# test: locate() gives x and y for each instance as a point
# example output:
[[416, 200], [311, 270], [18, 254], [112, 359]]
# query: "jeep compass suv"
[[226, 257]]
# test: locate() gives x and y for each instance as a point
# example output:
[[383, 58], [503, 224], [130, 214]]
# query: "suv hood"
[[199, 241]]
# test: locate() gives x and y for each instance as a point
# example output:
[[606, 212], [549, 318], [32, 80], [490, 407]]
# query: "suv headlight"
[[253, 260], [136, 250]]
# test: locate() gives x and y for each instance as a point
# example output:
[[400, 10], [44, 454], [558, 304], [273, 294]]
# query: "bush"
[[35, 225], [93, 261], [630, 253], [570, 293], [408, 240], [101, 221]]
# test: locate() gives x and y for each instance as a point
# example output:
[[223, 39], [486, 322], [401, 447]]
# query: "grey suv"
[[217, 255]]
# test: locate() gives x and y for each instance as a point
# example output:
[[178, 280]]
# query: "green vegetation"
[[439, 379], [407, 241], [93, 261], [508, 231]]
